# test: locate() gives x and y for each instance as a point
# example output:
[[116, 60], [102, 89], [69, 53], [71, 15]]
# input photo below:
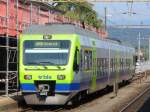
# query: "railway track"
[[136, 103], [43, 110]]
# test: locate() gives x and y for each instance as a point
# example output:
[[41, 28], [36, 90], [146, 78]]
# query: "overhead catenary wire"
[[91, 0]]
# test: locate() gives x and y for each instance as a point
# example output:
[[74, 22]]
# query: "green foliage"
[[81, 11]]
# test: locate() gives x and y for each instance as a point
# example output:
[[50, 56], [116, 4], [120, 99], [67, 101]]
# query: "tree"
[[82, 11]]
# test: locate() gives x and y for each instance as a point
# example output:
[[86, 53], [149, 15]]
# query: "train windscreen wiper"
[[48, 62], [43, 64], [38, 63]]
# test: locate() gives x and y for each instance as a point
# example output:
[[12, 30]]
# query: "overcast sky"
[[115, 10]]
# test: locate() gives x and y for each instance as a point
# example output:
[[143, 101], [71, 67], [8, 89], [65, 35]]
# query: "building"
[[15, 16]]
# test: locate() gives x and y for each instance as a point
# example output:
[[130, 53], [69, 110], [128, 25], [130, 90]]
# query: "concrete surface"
[[11, 103], [8, 105], [105, 103], [109, 103]]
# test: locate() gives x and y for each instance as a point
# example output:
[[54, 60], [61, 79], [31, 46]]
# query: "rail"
[[135, 100]]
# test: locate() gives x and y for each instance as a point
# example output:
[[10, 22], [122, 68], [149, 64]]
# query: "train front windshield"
[[47, 52]]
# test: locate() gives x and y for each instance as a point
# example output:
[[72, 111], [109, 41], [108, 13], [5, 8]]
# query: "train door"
[[88, 66]]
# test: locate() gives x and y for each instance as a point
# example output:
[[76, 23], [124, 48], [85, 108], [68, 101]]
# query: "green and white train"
[[60, 62]]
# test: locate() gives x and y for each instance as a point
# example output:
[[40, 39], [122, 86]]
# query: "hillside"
[[130, 35]]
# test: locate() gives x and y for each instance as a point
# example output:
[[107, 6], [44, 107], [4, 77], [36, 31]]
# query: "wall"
[[31, 13]]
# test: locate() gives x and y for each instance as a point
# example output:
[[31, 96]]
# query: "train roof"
[[56, 28], [65, 28]]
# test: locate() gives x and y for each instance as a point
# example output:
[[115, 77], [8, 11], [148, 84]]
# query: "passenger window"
[[87, 60]]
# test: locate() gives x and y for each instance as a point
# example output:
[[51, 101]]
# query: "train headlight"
[[27, 77], [61, 77]]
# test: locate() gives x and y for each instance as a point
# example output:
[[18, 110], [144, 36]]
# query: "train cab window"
[[81, 60], [87, 60], [76, 58]]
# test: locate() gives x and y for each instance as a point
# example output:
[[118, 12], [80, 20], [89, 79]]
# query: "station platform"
[[10, 103]]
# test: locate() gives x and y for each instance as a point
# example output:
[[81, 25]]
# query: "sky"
[[115, 12]]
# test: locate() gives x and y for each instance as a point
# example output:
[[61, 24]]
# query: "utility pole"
[[7, 48], [17, 28], [149, 47], [139, 46], [105, 18]]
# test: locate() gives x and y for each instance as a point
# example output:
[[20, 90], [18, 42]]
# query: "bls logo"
[[44, 77]]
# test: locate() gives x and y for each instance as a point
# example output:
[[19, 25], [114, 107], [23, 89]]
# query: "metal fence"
[[8, 65]]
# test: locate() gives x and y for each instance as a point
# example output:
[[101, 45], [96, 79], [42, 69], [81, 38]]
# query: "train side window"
[[127, 63], [124, 64], [90, 60], [112, 65], [87, 60], [101, 65], [121, 63], [98, 67], [105, 64]]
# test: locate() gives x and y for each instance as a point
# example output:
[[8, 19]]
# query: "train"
[[58, 63]]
